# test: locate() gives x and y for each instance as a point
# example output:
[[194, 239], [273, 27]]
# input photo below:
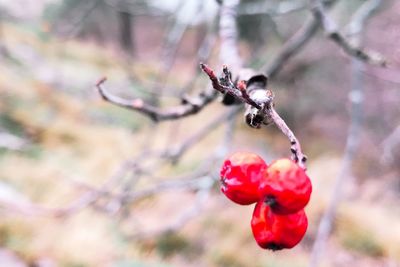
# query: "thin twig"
[[295, 147], [174, 37], [156, 114], [293, 45], [86, 199], [388, 145], [228, 87], [356, 98], [183, 184], [203, 185], [177, 152], [134, 10], [282, 8], [203, 54], [263, 103], [229, 53], [387, 75], [332, 31], [77, 21]]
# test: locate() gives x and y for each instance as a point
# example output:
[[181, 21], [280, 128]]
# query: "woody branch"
[[189, 106], [263, 102], [331, 29]]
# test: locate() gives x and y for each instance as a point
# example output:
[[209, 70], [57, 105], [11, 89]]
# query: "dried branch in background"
[[186, 215], [76, 23], [173, 38], [356, 96], [202, 183], [176, 153], [132, 9], [189, 106], [391, 142], [332, 31], [203, 54], [204, 51], [229, 52], [293, 45], [387, 75], [282, 8], [28, 208]]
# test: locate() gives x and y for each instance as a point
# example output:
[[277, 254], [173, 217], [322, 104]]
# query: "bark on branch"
[[188, 107], [261, 100], [331, 29]]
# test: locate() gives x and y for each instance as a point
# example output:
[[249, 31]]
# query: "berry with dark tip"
[[274, 231], [286, 187]]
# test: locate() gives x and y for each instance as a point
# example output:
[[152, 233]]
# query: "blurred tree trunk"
[[3, 50], [125, 20]]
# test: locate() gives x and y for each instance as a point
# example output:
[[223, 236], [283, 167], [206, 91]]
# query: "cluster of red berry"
[[281, 191]]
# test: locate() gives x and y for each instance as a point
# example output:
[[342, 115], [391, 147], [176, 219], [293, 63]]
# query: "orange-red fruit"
[[276, 232], [286, 187], [240, 177]]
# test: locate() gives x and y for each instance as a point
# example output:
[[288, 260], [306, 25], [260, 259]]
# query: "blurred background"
[[86, 183]]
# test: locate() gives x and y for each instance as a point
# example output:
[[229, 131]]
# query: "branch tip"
[[101, 81], [242, 85]]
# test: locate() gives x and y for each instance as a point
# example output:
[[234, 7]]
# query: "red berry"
[[285, 187], [274, 231], [240, 177]]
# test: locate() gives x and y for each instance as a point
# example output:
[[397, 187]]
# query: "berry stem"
[[270, 201], [295, 147]]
